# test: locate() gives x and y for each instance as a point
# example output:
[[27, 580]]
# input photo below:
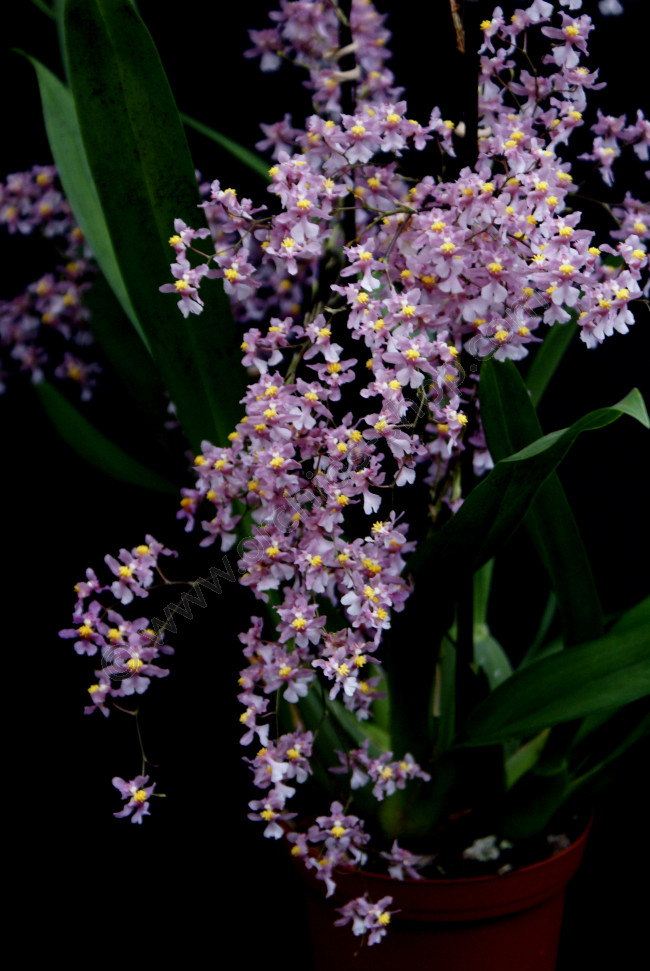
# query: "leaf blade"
[[72, 165], [547, 358], [495, 508], [94, 446], [240, 152], [609, 672], [144, 175], [510, 423]]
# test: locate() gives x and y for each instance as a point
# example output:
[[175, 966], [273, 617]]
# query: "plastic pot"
[[507, 922]]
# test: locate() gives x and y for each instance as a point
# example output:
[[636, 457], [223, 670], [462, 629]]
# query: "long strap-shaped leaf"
[[70, 158], [547, 358], [611, 671], [95, 447], [142, 170], [510, 423], [240, 152], [497, 506]]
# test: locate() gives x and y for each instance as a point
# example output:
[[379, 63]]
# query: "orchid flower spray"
[[396, 303]]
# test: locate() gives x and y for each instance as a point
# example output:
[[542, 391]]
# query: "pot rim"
[[569, 850], [458, 899]]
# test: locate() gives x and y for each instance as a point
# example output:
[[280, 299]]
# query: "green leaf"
[[496, 507], [539, 646], [444, 698], [634, 617], [510, 423], [533, 801], [357, 731], [609, 755], [94, 446], [70, 159], [482, 586], [44, 8], [240, 152], [547, 358], [525, 757], [135, 381], [600, 674], [490, 657], [144, 176]]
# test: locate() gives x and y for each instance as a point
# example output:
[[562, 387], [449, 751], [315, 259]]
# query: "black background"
[[196, 872]]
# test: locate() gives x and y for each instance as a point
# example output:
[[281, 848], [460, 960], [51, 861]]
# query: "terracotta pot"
[[510, 922]]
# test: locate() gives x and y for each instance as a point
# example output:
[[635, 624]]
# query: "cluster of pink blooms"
[[430, 273], [42, 328], [126, 648]]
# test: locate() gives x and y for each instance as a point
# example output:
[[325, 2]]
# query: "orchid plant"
[[356, 367]]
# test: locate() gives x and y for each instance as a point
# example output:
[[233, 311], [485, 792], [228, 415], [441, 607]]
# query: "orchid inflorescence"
[[363, 296], [54, 305]]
